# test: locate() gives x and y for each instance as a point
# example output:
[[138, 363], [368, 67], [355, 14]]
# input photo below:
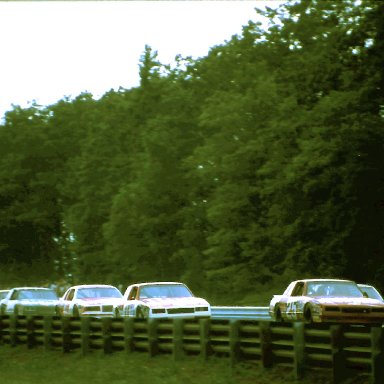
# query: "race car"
[[326, 300], [163, 300], [92, 300], [34, 301]]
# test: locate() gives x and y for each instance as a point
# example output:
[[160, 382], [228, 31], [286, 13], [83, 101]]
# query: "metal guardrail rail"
[[242, 313]]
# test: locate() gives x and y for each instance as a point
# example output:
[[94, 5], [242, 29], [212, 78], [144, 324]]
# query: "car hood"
[[175, 302], [39, 302], [349, 301], [99, 301]]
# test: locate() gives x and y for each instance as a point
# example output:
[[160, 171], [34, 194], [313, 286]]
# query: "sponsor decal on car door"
[[293, 302], [292, 308]]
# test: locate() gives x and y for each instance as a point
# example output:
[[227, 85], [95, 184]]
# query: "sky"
[[56, 49]]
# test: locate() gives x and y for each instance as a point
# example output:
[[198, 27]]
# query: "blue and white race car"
[[34, 301]]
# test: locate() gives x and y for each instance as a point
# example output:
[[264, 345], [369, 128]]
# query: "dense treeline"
[[237, 172]]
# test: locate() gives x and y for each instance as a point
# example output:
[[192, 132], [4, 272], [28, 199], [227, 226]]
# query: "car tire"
[[75, 312], [278, 316], [139, 313], [308, 317]]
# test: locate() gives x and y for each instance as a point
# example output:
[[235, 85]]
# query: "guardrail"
[[245, 313], [342, 349]]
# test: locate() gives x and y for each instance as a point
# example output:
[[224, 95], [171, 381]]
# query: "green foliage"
[[29, 206], [236, 173], [38, 367]]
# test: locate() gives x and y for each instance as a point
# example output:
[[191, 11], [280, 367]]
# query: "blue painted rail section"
[[242, 313]]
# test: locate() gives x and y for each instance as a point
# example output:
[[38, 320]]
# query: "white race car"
[[163, 300], [33, 301], [93, 300]]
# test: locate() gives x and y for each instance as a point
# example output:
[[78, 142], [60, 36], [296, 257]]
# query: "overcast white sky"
[[52, 49]]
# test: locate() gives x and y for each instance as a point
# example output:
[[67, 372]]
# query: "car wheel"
[[308, 315], [139, 313], [75, 312], [278, 316]]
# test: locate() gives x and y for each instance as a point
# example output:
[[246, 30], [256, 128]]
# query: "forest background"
[[235, 173]]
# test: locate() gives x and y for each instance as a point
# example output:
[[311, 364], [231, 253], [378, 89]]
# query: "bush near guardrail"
[[342, 349]]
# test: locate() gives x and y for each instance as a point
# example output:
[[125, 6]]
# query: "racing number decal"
[[291, 309]]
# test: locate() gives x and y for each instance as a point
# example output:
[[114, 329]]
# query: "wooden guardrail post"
[[30, 326], [266, 344], [205, 340], [107, 336], [234, 342], [340, 371], [299, 349], [85, 334], [178, 333], [66, 334], [129, 332], [377, 345], [48, 326], [153, 348], [2, 326], [13, 330]]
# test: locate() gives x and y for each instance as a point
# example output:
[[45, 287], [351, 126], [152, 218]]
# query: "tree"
[[30, 209]]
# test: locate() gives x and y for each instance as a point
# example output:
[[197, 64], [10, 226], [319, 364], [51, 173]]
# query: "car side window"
[[298, 289], [14, 295], [132, 294], [288, 291], [69, 295]]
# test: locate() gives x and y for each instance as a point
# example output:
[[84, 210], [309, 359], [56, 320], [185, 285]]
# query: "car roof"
[[31, 288], [324, 280], [365, 285], [92, 286], [159, 283]]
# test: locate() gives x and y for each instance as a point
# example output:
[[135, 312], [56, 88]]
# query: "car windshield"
[[163, 290], [98, 292], [37, 294], [334, 289], [3, 294]]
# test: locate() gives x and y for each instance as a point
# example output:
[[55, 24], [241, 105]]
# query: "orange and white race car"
[[326, 300]]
